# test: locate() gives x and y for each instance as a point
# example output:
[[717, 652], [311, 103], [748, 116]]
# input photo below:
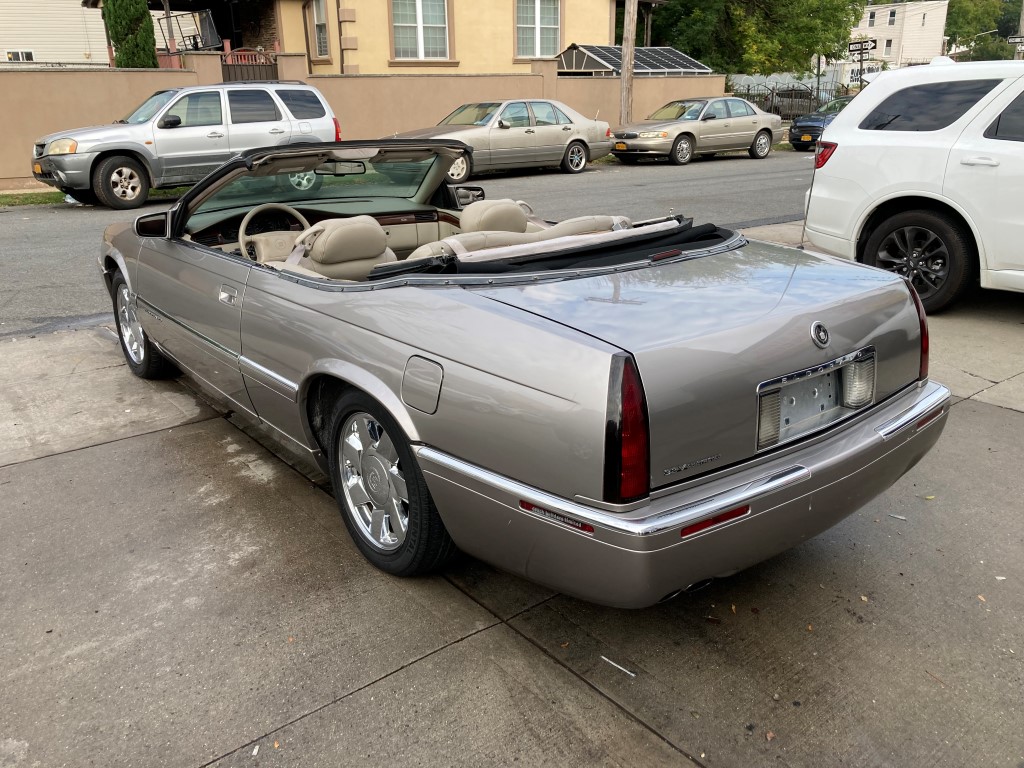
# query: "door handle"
[[276, 130], [530, 130], [227, 295], [214, 135], [567, 128], [989, 161]]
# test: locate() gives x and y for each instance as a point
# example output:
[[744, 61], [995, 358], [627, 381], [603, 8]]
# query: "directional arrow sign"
[[863, 45], [1015, 39], [1020, 47]]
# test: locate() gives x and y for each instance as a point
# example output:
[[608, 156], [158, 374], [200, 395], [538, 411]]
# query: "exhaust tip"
[[697, 586], [670, 596]]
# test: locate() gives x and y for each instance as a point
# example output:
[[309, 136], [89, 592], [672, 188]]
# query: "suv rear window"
[[304, 105], [929, 107], [1009, 126]]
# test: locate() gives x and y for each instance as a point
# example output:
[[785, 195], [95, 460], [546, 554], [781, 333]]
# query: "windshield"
[[836, 105], [472, 114], [297, 181], [679, 110], [149, 107]]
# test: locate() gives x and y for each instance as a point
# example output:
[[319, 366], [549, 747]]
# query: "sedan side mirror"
[[169, 121], [153, 225], [503, 124], [711, 117]]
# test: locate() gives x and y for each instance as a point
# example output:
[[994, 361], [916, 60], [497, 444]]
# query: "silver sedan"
[[681, 129], [520, 133]]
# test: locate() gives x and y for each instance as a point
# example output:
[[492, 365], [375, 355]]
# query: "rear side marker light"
[[555, 517], [824, 152], [711, 522], [922, 423], [337, 130]]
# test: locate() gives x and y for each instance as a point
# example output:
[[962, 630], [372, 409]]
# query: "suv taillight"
[[923, 319], [627, 440], [608, 133], [337, 130], [824, 152]]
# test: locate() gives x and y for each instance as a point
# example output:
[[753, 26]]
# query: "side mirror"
[[711, 117], [503, 124], [153, 225], [169, 121], [467, 195]]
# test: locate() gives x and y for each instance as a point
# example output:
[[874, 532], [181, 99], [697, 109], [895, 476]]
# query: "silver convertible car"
[[618, 409]]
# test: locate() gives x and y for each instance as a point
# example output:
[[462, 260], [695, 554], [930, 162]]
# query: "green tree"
[[757, 36], [131, 32]]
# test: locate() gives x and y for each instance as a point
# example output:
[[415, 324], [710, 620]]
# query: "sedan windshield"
[[149, 107], [679, 110], [472, 114]]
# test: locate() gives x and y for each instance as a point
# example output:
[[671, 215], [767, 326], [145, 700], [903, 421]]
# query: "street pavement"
[[176, 594]]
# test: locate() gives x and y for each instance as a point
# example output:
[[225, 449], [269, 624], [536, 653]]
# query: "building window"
[[888, 48], [320, 28], [537, 28], [871, 18], [20, 56], [421, 29], [892, 18]]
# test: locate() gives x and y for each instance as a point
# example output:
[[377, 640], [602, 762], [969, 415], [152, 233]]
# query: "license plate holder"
[[808, 403]]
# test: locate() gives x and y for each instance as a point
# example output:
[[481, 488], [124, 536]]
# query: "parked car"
[[923, 174], [179, 135], [474, 378], [805, 130], [705, 126], [519, 133]]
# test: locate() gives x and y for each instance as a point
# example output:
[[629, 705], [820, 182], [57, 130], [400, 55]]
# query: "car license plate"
[[621, 145], [807, 404], [805, 137]]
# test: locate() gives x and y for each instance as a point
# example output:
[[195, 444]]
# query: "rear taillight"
[[824, 152], [923, 319], [337, 130], [608, 133], [627, 441]]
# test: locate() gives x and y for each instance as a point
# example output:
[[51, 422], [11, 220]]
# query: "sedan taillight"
[[923, 319], [824, 152], [627, 439]]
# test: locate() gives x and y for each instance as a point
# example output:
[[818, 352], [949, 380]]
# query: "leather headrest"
[[352, 239], [493, 215]]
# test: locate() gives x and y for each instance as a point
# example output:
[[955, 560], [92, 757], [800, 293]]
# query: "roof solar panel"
[[646, 60]]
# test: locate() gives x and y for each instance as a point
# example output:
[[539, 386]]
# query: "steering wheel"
[[243, 237]]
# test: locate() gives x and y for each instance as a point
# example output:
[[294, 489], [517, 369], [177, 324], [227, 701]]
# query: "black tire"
[[120, 182], [425, 545], [682, 150], [628, 159], [143, 359], [462, 170], [929, 248], [575, 158], [761, 147]]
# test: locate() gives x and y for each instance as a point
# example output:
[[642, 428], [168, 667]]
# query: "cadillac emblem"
[[819, 334]]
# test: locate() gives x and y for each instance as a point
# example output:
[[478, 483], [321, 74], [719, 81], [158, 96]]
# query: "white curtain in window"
[[537, 23], [421, 29]]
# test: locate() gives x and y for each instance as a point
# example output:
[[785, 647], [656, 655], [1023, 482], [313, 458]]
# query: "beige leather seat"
[[342, 249], [493, 216]]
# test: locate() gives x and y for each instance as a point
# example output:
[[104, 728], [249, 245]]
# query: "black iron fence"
[[790, 99]]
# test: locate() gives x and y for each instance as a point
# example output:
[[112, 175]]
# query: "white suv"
[[923, 175]]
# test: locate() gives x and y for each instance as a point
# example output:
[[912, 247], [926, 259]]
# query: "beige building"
[[432, 36], [907, 34]]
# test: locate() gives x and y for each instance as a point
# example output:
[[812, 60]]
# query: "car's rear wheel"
[[460, 170], [120, 182], [143, 359], [304, 181], [761, 147], [381, 492], [682, 151], [575, 158], [929, 249]]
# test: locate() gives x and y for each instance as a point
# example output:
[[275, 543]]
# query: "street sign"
[[1020, 47], [1018, 39], [860, 46]]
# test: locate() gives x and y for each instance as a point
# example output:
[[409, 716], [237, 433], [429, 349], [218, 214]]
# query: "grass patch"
[[56, 198]]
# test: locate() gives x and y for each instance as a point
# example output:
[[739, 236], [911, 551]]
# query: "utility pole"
[[1020, 31], [628, 46]]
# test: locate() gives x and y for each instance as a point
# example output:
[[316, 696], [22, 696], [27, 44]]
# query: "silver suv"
[[178, 136]]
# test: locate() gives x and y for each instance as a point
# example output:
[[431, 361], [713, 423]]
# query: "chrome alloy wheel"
[[762, 144], [125, 183], [458, 170], [577, 157], [917, 254], [302, 181], [373, 483], [128, 324], [683, 150]]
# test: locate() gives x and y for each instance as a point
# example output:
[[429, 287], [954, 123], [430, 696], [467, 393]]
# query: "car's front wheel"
[[929, 249], [143, 359], [460, 170], [381, 492], [575, 158], [682, 151], [120, 182], [761, 147]]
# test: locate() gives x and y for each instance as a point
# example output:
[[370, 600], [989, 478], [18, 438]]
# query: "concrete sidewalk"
[[175, 595]]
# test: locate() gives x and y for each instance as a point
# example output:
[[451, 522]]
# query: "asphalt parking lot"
[[174, 593]]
